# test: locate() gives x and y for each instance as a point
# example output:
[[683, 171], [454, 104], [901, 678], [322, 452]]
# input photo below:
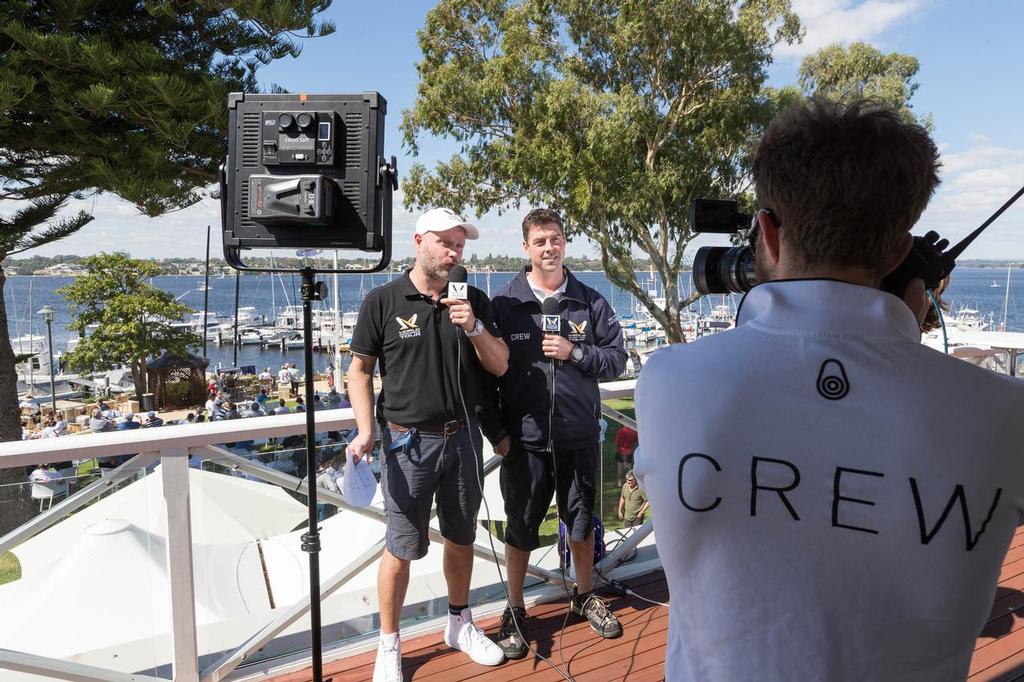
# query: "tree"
[[127, 98], [133, 317], [860, 70], [616, 112]]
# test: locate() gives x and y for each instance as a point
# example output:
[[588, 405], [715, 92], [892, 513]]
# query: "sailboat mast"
[[337, 326], [273, 295], [206, 292], [1006, 300]]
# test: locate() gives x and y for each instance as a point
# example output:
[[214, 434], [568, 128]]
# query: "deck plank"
[[640, 653]]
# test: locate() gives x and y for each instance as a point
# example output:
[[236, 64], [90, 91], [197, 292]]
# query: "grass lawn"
[[608, 502], [10, 569]]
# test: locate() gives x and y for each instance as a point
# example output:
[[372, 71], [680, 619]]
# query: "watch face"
[[577, 353]]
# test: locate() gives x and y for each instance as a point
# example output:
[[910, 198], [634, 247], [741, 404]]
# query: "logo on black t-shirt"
[[407, 328]]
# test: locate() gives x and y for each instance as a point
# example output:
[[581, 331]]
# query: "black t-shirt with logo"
[[417, 347]]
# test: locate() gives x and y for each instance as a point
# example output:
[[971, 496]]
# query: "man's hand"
[[620, 515], [555, 346], [916, 298], [461, 313], [360, 446], [503, 446]]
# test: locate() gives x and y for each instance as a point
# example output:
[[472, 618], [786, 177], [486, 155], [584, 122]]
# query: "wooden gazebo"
[[177, 381]]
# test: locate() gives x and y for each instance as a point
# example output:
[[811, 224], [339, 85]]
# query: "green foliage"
[[16, 232], [860, 70], [133, 317], [122, 97], [129, 98], [615, 112]]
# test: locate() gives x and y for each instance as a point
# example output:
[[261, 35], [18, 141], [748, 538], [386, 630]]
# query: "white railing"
[[171, 446]]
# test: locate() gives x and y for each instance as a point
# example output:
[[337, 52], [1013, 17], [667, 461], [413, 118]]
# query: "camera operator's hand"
[[916, 298]]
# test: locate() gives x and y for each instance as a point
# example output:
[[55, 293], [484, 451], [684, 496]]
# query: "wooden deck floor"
[[999, 651], [640, 653]]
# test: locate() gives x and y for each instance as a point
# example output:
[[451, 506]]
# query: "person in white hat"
[[433, 351]]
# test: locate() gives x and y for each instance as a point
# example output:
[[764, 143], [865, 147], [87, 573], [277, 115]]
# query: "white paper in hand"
[[358, 484]]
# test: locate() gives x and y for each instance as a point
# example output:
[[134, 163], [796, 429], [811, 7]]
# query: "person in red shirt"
[[625, 445]]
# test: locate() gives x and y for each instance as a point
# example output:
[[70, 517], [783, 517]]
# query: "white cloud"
[[118, 226], [976, 182], [845, 21]]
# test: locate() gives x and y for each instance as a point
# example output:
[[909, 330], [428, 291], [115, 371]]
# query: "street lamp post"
[[47, 313]]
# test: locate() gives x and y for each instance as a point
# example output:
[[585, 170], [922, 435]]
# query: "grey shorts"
[[430, 466]]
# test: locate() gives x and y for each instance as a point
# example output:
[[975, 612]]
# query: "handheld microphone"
[[457, 286], [550, 320], [551, 323]]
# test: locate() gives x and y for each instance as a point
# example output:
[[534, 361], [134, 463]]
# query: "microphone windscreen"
[[549, 306], [457, 274]]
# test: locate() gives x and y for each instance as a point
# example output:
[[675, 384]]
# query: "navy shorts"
[[426, 467], [528, 482]]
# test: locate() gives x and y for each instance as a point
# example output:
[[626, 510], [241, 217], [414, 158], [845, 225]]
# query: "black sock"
[[457, 610]]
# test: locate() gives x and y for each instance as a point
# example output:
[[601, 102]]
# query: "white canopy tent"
[[225, 510], [111, 586]]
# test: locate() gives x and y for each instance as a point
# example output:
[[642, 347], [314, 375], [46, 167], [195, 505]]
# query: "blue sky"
[[971, 57]]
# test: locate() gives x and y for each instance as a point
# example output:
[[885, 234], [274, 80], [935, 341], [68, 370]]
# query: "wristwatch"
[[576, 354], [477, 330]]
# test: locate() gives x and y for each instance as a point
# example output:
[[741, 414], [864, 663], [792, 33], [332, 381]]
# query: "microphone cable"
[[551, 306], [568, 532], [625, 590], [477, 465]]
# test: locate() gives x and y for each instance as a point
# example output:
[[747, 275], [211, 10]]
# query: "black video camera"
[[730, 269], [306, 172]]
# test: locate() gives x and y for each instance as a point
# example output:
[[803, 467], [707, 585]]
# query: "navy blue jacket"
[[519, 406]]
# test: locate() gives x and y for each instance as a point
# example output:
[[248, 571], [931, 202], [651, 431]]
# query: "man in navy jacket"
[[550, 452]]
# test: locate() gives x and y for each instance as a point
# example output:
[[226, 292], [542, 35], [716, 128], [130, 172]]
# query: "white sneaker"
[[388, 667], [462, 634]]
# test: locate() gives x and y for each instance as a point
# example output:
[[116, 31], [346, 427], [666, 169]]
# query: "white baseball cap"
[[441, 219]]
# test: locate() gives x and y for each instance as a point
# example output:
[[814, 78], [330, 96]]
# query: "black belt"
[[447, 428]]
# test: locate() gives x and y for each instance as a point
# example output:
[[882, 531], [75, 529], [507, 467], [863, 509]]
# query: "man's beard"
[[435, 269]]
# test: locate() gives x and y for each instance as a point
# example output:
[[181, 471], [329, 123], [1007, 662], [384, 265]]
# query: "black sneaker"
[[602, 621], [512, 639]]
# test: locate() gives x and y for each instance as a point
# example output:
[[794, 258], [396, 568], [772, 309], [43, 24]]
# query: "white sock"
[[390, 641]]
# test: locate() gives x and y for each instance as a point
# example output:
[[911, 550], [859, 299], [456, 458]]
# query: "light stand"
[[47, 313], [312, 291], [307, 172], [387, 177]]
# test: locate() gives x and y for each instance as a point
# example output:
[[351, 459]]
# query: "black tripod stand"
[[312, 291], [387, 180]]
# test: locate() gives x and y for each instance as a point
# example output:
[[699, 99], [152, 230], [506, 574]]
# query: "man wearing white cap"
[[432, 350]]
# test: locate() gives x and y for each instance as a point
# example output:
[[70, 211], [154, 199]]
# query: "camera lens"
[[724, 270], [285, 121], [304, 121]]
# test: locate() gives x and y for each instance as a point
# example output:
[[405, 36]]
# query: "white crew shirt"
[[798, 468], [541, 294]]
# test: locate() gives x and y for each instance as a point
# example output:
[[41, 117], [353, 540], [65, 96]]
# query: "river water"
[[983, 289]]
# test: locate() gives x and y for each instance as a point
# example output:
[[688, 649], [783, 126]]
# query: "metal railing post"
[[185, 649]]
